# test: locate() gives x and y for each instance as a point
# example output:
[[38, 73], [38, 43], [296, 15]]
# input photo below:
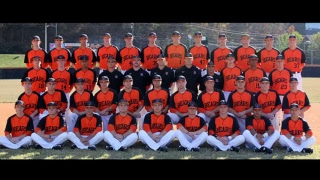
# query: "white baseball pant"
[[235, 142], [105, 122], [61, 138], [93, 141], [45, 113], [35, 121], [141, 120], [24, 141], [299, 78], [116, 144], [67, 113], [174, 118], [71, 122], [226, 94], [252, 141], [284, 141], [242, 124], [189, 143], [165, 140]]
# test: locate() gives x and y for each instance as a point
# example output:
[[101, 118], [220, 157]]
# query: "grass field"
[[12, 60]]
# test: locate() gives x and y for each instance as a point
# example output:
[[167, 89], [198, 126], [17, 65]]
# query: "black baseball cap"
[[160, 56], [36, 57], [293, 79], [230, 55], [127, 77], [61, 57], [294, 105], [51, 80], [128, 35], [292, 36], [268, 36], [58, 37], [240, 78], [222, 102], [26, 79], [84, 58], [279, 57], [35, 37], [210, 63], [264, 79], [104, 78], [79, 80], [222, 35], [89, 103], [52, 104], [123, 101], [157, 100], [198, 33], [19, 102], [111, 57], [152, 34], [136, 57], [253, 56], [83, 36], [181, 78], [106, 34], [256, 106], [192, 104], [209, 78], [176, 33], [157, 76], [187, 55]]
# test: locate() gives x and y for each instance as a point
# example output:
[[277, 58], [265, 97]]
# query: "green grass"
[[12, 60]]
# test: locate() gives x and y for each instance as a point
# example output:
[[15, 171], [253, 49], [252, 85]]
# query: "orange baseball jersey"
[[295, 128], [200, 55], [103, 54], [193, 124], [80, 52], [294, 60], [179, 101], [126, 55], [152, 94], [242, 56], [175, 55], [223, 126], [155, 123], [149, 56], [77, 100], [32, 102], [121, 124], [279, 80], [41, 53], [268, 101], [63, 79], [50, 125], [17, 126], [58, 97], [267, 58], [228, 78], [54, 53], [135, 98], [209, 101], [87, 126], [300, 97], [89, 76], [241, 101], [219, 56], [106, 100], [252, 78], [38, 77], [261, 125]]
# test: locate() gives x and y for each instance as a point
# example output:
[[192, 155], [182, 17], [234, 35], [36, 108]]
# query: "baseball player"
[[106, 101], [191, 130], [260, 134], [270, 102], [38, 75], [296, 134], [209, 99], [150, 53], [294, 59], [229, 75], [36, 50], [84, 50], [243, 52], [240, 103], [267, 55], [115, 76], [223, 131], [86, 73], [122, 128], [179, 100], [18, 129], [294, 95], [87, 131], [50, 132], [211, 72], [77, 103], [128, 52], [157, 130], [57, 51], [200, 53]]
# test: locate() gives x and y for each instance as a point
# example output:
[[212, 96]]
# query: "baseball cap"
[[106, 34], [245, 35], [36, 57], [123, 101], [89, 103], [222, 35], [256, 106], [279, 57], [264, 79], [127, 77], [230, 55], [210, 63], [128, 35], [209, 78], [198, 33], [188, 55], [51, 80], [84, 57], [83, 36], [253, 56], [136, 57], [58, 37], [181, 78], [26, 79], [157, 100], [52, 104], [61, 57], [35, 37], [176, 33], [192, 104], [104, 78], [222, 102], [19, 102], [79, 80], [268, 36], [292, 36], [160, 56], [157, 76], [294, 105], [111, 57], [293, 79], [240, 78], [153, 34]]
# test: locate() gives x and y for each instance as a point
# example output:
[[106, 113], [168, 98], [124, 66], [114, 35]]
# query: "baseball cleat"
[[255, 149], [236, 149], [196, 149], [268, 150], [289, 149], [181, 148], [163, 148], [307, 150], [92, 147], [57, 147], [216, 148], [37, 146], [25, 147], [108, 148], [123, 149], [73, 146], [147, 148]]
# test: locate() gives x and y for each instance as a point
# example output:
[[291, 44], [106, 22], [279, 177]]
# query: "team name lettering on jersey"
[[245, 56], [253, 79], [152, 56], [240, 103], [224, 129], [27, 106], [299, 102], [175, 55], [51, 128], [122, 126], [37, 78], [105, 56], [157, 126], [221, 58], [210, 104], [280, 80], [293, 59], [61, 80], [86, 80], [126, 57], [231, 76], [192, 128], [19, 128], [183, 103], [87, 129], [266, 59], [80, 103], [133, 101], [295, 132], [198, 56], [104, 103], [268, 103]]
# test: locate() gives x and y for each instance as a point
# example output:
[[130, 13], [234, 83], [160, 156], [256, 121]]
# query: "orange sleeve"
[[146, 127], [173, 110], [201, 110], [37, 130], [28, 133], [270, 128], [205, 128], [76, 129], [286, 111], [114, 106], [41, 110], [6, 133], [179, 125], [133, 128], [237, 132], [98, 129], [64, 129], [284, 132], [168, 127], [64, 106], [211, 132], [110, 127], [310, 133], [249, 127]]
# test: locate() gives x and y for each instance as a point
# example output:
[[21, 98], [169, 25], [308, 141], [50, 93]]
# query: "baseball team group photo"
[[193, 91]]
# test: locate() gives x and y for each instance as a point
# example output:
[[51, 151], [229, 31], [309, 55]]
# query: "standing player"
[[192, 130], [200, 52], [210, 72], [260, 134], [50, 133], [294, 59], [267, 55], [86, 73], [157, 130], [106, 101], [294, 95], [84, 50], [127, 53], [223, 131], [166, 73], [18, 129], [296, 133], [105, 51], [57, 51], [243, 52], [150, 53], [36, 50], [122, 128]]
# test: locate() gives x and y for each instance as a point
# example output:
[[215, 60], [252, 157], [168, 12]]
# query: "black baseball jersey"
[[167, 75], [115, 79], [141, 79], [217, 82], [192, 75]]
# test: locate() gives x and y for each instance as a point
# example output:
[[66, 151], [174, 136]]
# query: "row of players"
[[222, 132]]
